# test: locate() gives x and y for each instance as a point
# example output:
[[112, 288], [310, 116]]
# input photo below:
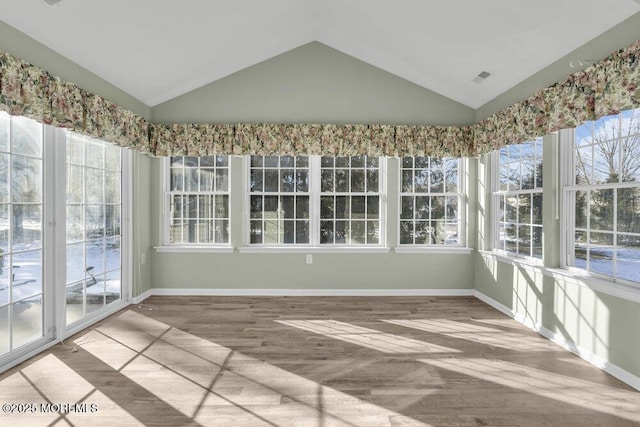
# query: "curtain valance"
[[604, 88]]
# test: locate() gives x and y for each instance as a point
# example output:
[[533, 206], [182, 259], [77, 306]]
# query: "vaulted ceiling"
[[156, 50]]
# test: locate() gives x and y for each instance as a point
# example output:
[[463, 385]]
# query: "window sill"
[[572, 276], [195, 249], [312, 249], [514, 260], [432, 250], [597, 284]]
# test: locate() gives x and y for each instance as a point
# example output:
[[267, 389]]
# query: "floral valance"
[[604, 88]]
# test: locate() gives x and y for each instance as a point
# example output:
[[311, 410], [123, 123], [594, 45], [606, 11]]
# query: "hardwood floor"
[[314, 361]]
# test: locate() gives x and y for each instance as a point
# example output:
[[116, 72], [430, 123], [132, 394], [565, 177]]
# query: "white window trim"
[[314, 245], [494, 193], [595, 280], [432, 247], [166, 245]]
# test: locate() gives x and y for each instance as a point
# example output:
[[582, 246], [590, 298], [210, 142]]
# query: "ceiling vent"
[[482, 76], [52, 2]]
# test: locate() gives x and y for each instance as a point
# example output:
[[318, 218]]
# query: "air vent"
[[480, 77]]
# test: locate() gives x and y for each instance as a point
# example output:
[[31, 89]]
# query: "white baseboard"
[[312, 292], [143, 296], [584, 354]]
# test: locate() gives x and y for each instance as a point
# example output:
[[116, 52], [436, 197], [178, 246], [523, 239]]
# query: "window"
[[279, 196], [430, 201], [604, 197], [350, 196], [315, 201], [198, 200], [518, 201]]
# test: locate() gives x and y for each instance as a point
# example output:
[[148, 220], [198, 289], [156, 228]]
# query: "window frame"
[[568, 187], [314, 244], [497, 194], [167, 245], [462, 217]]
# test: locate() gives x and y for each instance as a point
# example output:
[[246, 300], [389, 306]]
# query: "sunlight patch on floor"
[[49, 380], [479, 334], [570, 390], [365, 337], [214, 385]]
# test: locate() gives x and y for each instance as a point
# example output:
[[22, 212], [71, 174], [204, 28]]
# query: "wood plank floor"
[[314, 361]]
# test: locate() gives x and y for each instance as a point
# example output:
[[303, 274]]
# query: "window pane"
[[357, 181], [580, 249], [94, 153], [326, 231], [582, 208], [26, 225], [406, 211], [113, 288], [26, 180], [341, 232], [628, 207], [342, 207], [289, 233], [26, 136], [221, 231], [27, 321], [112, 187], [94, 185], [407, 181], [302, 180], [628, 256], [326, 180], [406, 232], [26, 274], [601, 210], [302, 231], [422, 207], [207, 179], [601, 253], [302, 207], [341, 180], [255, 232], [271, 180], [255, 180], [358, 232], [256, 207], [436, 178], [287, 180], [373, 207]]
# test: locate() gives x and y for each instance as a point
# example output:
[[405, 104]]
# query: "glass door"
[[22, 295], [94, 207]]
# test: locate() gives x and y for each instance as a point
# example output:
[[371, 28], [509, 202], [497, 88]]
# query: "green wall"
[[597, 323], [313, 84], [289, 270], [28, 49], [141, 212]]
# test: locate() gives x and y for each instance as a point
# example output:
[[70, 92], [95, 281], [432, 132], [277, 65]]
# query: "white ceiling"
[[156, 50]]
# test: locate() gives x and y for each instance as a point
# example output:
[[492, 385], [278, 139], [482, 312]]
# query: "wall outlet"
[[309, 259], [143, 258]]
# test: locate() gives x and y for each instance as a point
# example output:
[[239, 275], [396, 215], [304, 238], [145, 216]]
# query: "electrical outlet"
[[143, 258], [309, 259]]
